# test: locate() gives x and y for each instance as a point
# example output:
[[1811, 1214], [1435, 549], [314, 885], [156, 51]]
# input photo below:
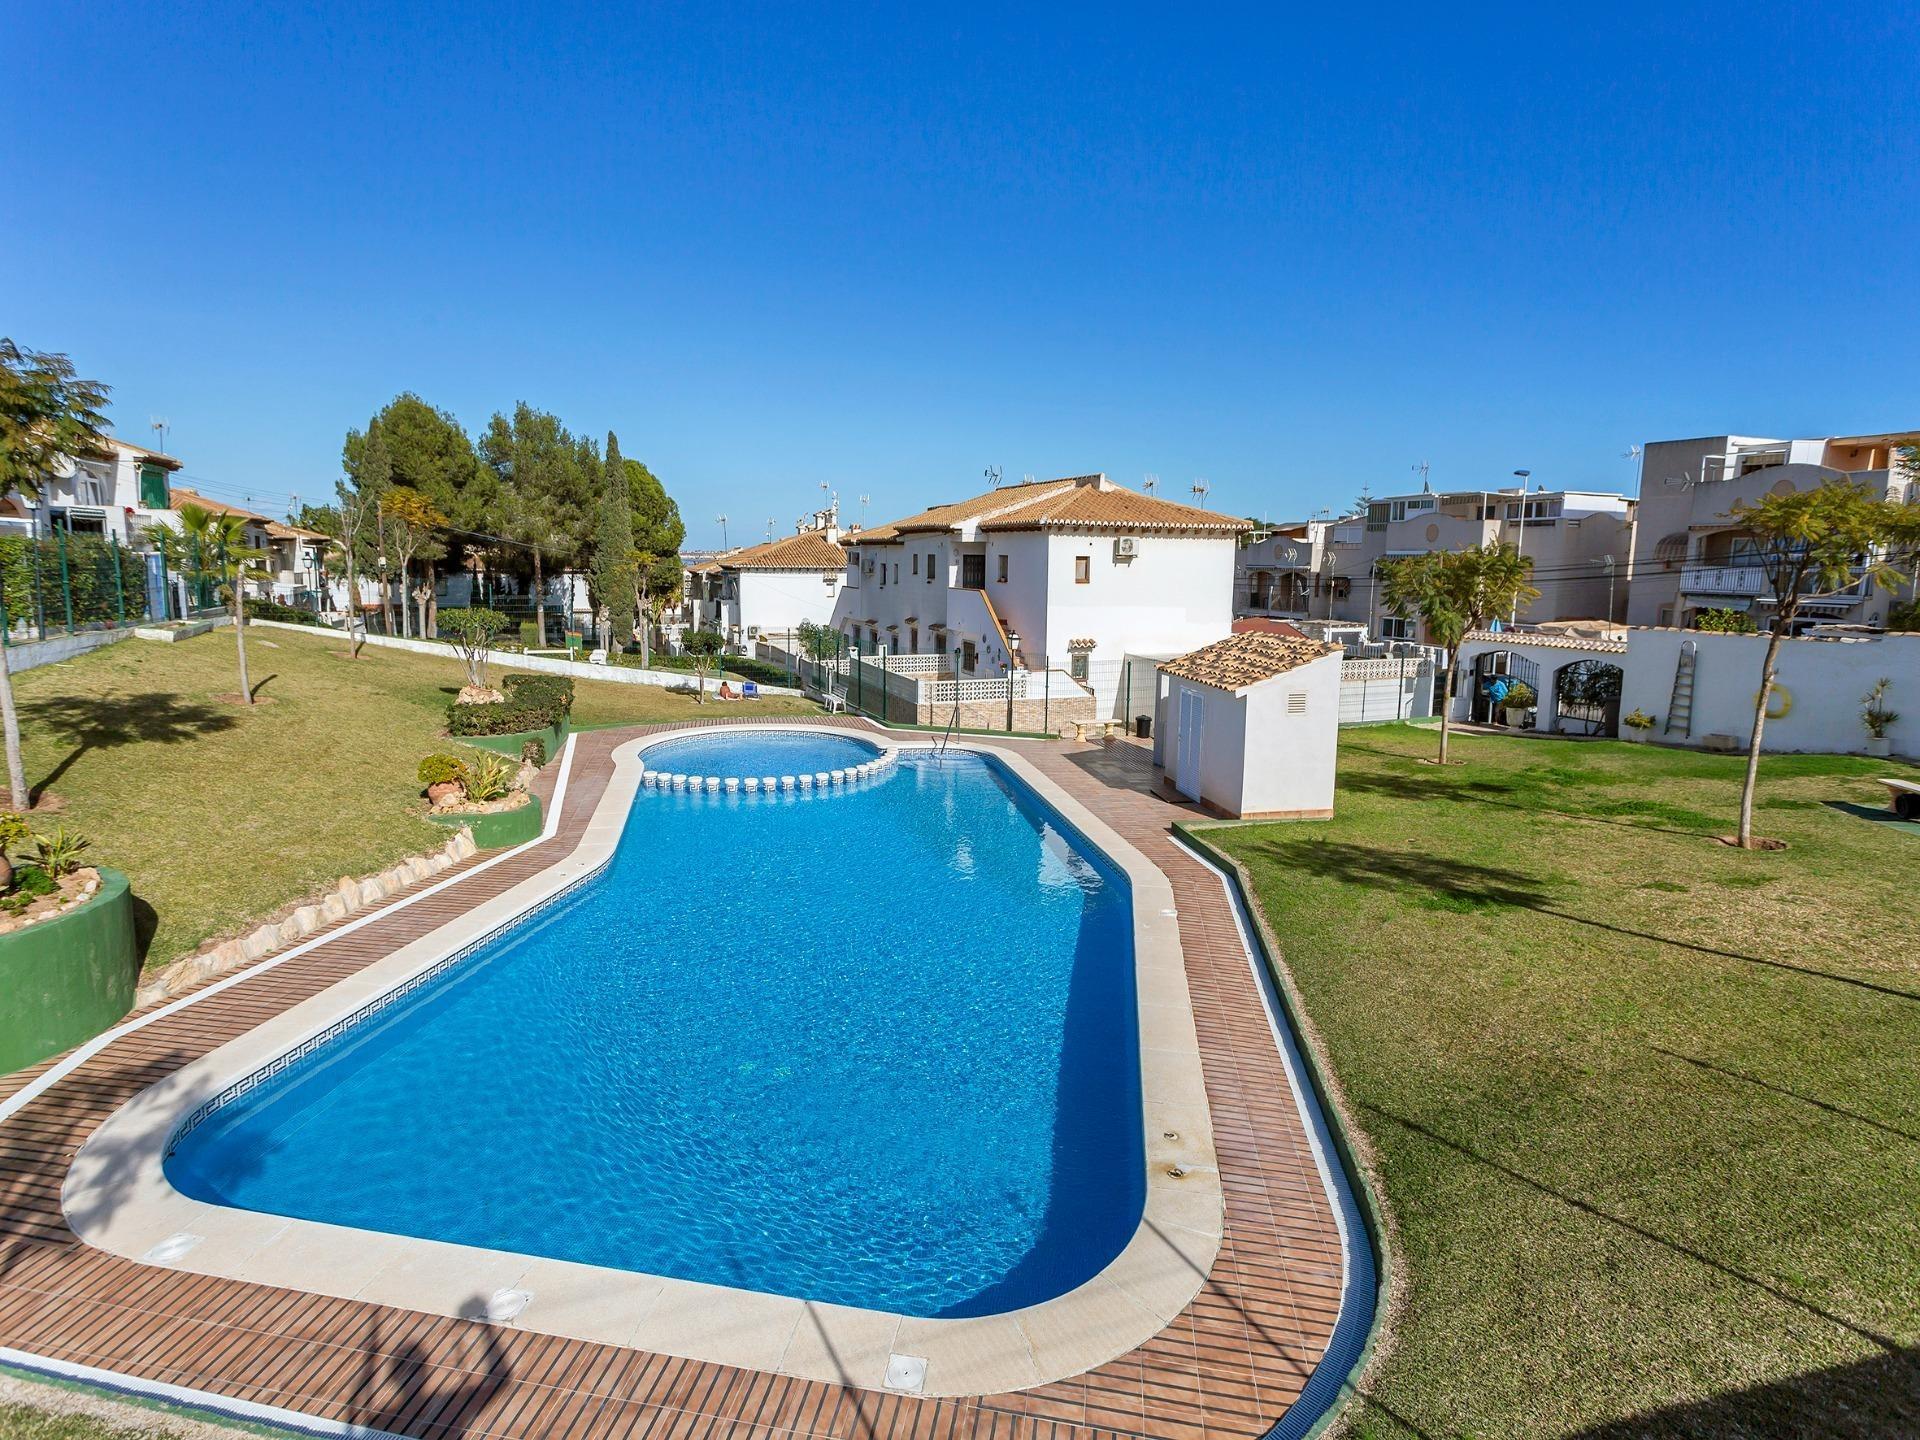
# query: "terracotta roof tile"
[[810, 550], [1261, 625], [183, 496], [1242, 660], [1099, 505], [958, 512]]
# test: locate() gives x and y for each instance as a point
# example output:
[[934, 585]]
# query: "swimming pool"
[[881, 1052], [759, 753]]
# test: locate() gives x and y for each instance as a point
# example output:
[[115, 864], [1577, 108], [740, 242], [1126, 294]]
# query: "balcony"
[[1751, 582]]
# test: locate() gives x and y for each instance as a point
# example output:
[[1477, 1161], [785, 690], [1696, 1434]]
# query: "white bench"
[[1903, 796]]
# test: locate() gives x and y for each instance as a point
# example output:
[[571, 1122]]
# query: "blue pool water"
[[759, 753], [875, 1047]]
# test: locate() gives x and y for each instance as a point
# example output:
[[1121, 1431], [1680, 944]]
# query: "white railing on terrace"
[[945, 692], [1747, 581], [1388, 669]]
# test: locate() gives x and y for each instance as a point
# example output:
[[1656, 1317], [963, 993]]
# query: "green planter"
[[67, 979], [509, 745], [501, 828]]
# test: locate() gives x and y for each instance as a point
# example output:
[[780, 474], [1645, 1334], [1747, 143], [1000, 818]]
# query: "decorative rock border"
[[819, 780], [347, 897]]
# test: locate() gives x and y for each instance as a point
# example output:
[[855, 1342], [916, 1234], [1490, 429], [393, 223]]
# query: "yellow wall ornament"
[[1779, 703]]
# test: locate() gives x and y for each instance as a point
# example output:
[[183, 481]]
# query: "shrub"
[[1638, 720], [28, 886], [1725, 622], [489, 776], [13, 831], [1873, 709], [59, 853], [441, 770], [533, 702], [529, 635], [274, 610], [1519, 696], [534, 752], [1904, 615]]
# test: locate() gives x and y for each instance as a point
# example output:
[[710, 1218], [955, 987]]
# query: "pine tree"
[[612, 573]]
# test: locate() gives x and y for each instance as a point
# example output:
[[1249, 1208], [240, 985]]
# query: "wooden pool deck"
[[1229, 1365]]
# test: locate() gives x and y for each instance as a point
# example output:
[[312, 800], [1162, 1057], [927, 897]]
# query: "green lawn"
[[1646, 1109], [222, 814]]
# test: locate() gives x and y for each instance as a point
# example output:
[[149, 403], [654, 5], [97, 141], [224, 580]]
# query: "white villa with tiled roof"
[[1072, 575], [769, 591]]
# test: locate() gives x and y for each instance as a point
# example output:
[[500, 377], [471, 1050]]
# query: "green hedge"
[[89, 580], [274, 610], [743, 666], [534, 702]]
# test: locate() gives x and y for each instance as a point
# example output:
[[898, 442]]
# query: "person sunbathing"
[[727, 691]]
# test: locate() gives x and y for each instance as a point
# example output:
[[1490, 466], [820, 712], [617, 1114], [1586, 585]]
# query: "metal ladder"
[[1680, 703], [940, 750]]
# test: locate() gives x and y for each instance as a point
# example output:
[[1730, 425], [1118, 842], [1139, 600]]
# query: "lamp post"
[[1520, 541]]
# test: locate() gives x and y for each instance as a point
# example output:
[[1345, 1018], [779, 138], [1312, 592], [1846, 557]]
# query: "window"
[[883, 577], [973, 572], [930, 567], [1082, 569], [913, 639], [896, 572], [1003, 570], [969, 656], [1413, 505], [1376, 517], [916, 562], [1396, 627], [153, 488]]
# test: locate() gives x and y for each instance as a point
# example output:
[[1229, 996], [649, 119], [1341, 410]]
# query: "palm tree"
[[213, 548], [46, 413]]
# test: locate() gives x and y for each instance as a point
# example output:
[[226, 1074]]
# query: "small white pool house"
[[1246, 726]]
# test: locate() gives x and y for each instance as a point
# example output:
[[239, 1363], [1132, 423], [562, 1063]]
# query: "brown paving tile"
[[1227, 1366]]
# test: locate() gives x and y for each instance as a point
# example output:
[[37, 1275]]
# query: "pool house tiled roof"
[[1247, 659]]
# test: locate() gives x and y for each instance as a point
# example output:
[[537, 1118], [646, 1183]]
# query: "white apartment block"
[[1690, 554], [1070, 575], [1580, 542], [116, 491]]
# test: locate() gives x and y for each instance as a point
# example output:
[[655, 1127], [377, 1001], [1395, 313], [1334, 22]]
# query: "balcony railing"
[[1749, 581]]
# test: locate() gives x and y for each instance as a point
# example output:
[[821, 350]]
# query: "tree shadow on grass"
[[90, 723], [1530, 799], [1443, 884], [1865, 1400], [1814, 1101], [1757, 1284]]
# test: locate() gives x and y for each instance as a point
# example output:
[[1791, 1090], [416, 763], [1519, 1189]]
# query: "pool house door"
[[1193, 717]]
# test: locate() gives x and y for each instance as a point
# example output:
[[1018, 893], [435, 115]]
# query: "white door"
[[1193, 713]]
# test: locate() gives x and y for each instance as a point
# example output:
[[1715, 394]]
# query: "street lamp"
[[1520, 541]]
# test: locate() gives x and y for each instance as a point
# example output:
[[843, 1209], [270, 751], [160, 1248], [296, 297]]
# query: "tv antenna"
[[1421, 469], [769, 529], [159, 424], [865, 500], [723, 531], [994, 475], [1148, 482], [1199, 488]]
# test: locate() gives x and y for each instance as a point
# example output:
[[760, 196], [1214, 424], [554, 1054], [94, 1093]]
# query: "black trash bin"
[[1143, 726]]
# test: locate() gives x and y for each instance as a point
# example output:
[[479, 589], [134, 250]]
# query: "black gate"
[[1587, 697], [1494, 674]]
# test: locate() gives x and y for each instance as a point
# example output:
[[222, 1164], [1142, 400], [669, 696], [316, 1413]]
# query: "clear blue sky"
[[884, 250]]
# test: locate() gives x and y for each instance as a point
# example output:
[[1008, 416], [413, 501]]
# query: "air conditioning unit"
[[1126, 547]]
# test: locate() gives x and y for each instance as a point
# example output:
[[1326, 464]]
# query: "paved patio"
[[1229, 1365]]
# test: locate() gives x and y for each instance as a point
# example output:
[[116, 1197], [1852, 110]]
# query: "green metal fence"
[[62, 583]]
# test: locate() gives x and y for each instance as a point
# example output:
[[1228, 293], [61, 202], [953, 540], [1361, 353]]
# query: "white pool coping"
[[117, 1196]]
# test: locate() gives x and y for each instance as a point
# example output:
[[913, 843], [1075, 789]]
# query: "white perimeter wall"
[[782, 599], [1824, 678]]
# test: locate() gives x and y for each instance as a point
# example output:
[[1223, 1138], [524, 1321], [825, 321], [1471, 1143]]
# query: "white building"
[[771, 590], [1691, 555], [117, 491], [1248, 726], [1580, 542], [1070, 575]]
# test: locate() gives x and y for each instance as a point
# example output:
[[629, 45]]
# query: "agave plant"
[[490, 776], [59, 853]]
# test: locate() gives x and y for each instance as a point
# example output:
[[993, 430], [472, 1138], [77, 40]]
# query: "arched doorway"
[[1494, 674], [1586, 698]]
